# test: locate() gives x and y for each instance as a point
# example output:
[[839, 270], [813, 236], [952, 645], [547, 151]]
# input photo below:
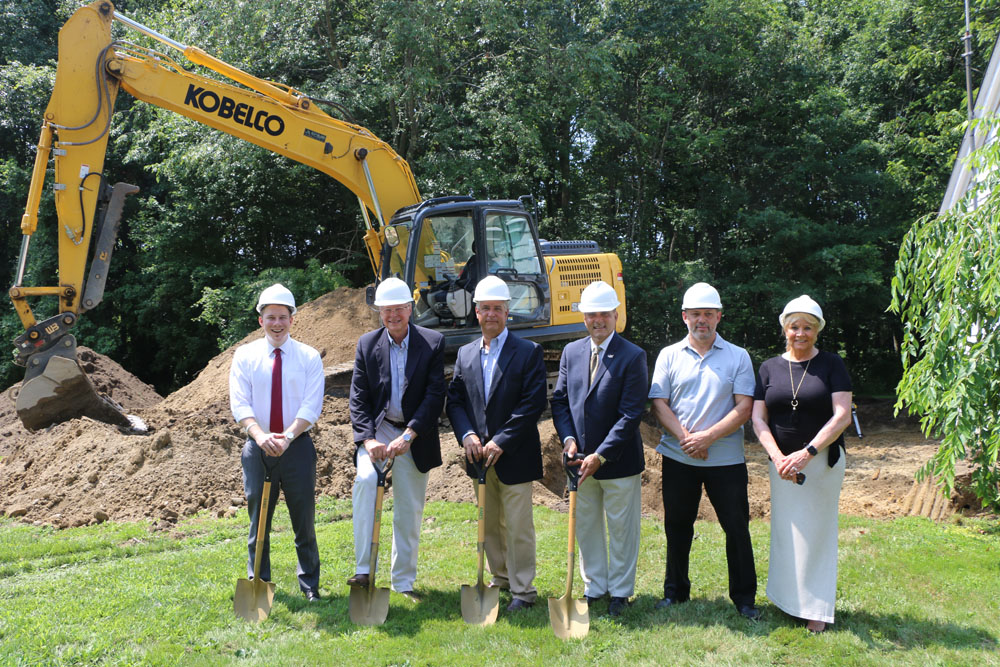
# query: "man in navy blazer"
[[596, 407], [496, 395], [397, 393]]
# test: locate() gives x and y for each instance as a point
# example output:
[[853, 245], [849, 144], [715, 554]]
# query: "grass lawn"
[[911, 592]]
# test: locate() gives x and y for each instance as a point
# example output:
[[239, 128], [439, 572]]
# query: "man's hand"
[[378, 451], [588, 466], [696, 444], [492, 451], [399, 446], [570, 447], [473, 448], [273, 444]]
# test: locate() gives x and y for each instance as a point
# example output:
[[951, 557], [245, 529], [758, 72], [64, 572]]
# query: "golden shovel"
[[480, 603], [370, 605], [253, 598], [570, 618]]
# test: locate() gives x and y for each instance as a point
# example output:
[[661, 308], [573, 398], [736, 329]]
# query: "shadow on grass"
[[906, 631], [696, 612], [406, 618]]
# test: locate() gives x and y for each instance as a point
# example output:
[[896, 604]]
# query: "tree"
[[947, 292]]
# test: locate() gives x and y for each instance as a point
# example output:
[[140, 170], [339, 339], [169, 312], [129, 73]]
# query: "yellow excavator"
[[441, 247]]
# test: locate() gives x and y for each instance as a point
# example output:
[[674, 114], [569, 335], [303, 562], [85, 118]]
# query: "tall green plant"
[[947, 291]]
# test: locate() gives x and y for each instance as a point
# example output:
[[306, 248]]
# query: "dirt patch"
[[83, 472]]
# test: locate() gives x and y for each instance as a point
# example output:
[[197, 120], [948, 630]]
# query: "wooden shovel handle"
[[572, 543], [262, 526]]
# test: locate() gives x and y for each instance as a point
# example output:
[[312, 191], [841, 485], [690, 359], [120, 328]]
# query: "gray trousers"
[[294, 473]]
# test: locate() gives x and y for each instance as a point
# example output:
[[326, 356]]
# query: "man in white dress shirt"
[[276, 395]]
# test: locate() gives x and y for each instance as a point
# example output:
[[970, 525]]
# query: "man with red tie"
[[276, 395]]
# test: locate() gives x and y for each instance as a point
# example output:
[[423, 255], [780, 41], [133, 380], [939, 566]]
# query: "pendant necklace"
[[795, 389]]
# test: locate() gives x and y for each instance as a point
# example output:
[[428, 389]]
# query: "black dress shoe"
[[312, 595], [412, 596], [749, 611], [666, 602], [617, 606], [358, 580], [518, 604], [590, 600]]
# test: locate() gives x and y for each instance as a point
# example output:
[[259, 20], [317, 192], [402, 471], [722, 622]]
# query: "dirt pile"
[[83, 472]]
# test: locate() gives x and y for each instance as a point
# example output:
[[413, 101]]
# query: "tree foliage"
[[771, 148], [947, 292]]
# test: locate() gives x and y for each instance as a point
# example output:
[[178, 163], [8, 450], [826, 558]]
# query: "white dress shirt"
[[302, 382]]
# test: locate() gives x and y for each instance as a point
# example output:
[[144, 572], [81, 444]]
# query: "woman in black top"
[[802, 404]]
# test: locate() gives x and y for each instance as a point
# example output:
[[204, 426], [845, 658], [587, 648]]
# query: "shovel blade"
[[480, 604], [368, 608], [253, 599], [570, 618]]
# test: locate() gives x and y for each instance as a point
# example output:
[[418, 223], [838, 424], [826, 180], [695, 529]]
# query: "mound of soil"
[[82, 471]]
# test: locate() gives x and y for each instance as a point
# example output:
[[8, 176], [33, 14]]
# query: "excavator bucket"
[[56, 389]]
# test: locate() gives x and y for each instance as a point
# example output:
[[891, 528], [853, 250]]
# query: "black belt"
[[399, 425]]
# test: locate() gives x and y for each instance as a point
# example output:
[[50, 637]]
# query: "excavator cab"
[[445, 246]]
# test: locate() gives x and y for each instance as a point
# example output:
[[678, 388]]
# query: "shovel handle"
[[481, 533], [262, 526], [480, 468], [383, 472], [571, 557], [262, 518], [572, 472]]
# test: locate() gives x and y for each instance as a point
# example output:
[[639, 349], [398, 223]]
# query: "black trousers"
[[726, 487], [294, 472]]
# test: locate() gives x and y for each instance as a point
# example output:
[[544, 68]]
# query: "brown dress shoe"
[[358, 581]]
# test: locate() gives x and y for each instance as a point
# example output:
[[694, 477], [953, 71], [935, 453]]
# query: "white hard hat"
[[598, 297], [276, 295], [701, 295], [491, 288], [392, 292], [803, 304]]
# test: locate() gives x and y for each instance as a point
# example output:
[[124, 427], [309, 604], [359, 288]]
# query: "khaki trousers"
[[409, 491], [510, 536], [608, 566]]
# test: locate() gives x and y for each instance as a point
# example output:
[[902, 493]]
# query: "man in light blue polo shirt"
[[702, 393]]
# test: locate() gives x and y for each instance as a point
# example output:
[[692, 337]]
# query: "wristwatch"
[[407, 436], [601, 459], [812, 450]]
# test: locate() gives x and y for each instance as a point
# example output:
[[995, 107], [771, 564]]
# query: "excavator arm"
[[91, 69]]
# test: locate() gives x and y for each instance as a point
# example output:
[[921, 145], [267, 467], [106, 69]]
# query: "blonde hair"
[[791, 317]]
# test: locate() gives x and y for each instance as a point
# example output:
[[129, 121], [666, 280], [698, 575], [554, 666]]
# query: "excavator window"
[[444, 269]]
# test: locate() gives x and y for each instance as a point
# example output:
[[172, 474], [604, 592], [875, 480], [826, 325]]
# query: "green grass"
[[911, 592]]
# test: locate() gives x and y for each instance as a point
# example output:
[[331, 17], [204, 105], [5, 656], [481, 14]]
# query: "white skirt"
[[802, 572]]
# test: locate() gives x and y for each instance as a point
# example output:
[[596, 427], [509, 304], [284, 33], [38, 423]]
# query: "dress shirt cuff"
[[243, 412], [307, 415], [466, 435]]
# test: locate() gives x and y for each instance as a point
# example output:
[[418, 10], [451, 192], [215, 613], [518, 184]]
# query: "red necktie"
[[277, 422]]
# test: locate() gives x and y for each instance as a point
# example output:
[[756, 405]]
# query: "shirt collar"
[[406, 339], [284, 347], [717, 344], [603, 347], [495, 344]]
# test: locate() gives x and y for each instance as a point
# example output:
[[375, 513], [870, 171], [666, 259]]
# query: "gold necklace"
[[795, 389]]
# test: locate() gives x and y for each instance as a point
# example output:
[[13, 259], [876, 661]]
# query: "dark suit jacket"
[[510, 419], [423, 390], [603, 417]]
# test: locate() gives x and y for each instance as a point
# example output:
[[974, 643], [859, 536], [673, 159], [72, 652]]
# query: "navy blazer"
[[423, 390], [510, 419], [604, 416]]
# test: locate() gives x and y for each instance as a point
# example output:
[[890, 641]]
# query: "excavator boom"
[[430, 244]]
